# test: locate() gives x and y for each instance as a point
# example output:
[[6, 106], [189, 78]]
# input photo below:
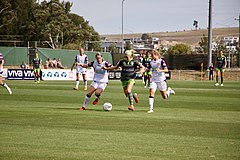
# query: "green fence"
[[14, 56]]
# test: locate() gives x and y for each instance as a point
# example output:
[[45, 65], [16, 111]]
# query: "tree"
[[113, 48], [49, 22], [7, 16], [145, 37], [128, 46], [179, 49], [203, 44]]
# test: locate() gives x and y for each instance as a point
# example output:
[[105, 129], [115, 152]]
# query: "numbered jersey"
[[100, 75], [156, 65]]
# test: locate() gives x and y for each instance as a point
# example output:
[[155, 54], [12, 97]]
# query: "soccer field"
[[43, 121]]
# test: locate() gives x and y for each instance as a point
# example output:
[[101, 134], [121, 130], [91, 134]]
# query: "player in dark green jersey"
[[147, 74], [37, 63], [221, 63], [128, 74]]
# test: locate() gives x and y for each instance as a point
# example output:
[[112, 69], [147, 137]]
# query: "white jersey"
[[100, 75], [158, 76], [81, 60]]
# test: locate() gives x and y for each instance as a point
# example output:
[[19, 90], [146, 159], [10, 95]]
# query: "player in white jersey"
[[158, 79], [80, 60], [100, 79], [1, 71]]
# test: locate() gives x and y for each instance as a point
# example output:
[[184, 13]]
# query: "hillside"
[[190, 37]]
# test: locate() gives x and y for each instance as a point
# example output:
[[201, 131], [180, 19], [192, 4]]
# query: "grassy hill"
[[191, 37]]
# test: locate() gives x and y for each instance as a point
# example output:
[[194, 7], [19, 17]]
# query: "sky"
[[146, 16]]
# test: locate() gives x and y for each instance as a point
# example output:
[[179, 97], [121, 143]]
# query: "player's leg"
[[145, 79], [87, 97], [222, 76], [148, 78], [127, 89], [35, 75], [99, 90], [152, 90], [165, 92], [38, 75], [217, 75], [77, 81], [5, 84], [84, 81]]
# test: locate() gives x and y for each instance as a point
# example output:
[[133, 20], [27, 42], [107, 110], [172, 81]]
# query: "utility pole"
[[238, 36], [238, 29], [210, 33], [122, 51]]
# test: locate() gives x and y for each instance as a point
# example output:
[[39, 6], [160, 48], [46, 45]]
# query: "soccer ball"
[[107, 106]]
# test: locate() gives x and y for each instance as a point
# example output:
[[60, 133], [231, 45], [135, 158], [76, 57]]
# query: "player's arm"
[[225, 62], [87, 65], [110, 68], [162, 70], [40, 65], [142, 69], [74, 64], [119, 64], [164, 66]]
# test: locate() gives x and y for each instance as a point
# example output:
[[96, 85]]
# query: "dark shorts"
[[220, 69]]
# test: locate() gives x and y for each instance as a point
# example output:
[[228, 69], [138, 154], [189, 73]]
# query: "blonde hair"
[[129, 53], [98, 54], [156, 53]]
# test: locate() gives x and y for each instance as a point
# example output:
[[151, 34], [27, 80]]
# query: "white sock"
[[9, 89], [77, 83], [168, 93], [5, 85], [151, 101], [86, 100]]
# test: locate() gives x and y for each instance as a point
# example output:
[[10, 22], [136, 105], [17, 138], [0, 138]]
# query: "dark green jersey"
[[128, 69], [146, 62], [36, 62], [221, 61]]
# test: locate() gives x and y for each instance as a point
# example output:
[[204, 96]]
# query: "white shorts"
[[81, 70], [101, 85], [162, 86]]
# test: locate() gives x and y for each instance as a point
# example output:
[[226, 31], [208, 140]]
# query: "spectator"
[[50, 63], [23, 65], [46, 65], [59, 64], [54, 62], [211, 70]]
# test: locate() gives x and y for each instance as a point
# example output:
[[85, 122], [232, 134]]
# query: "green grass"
[[43, 121]]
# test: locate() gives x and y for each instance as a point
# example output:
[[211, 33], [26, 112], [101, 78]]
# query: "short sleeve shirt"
[[128, 69]]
